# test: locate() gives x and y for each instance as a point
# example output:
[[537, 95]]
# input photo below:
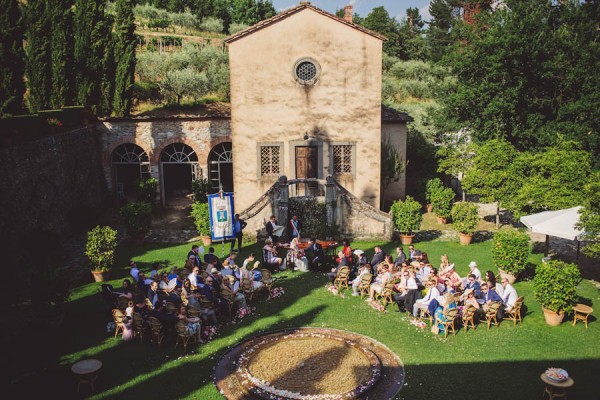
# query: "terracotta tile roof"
[[388, 114], [286, 13]]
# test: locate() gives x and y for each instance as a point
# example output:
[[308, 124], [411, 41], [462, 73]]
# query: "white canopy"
[[559, 223]]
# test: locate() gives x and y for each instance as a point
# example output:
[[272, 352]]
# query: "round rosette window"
[[306, 71]]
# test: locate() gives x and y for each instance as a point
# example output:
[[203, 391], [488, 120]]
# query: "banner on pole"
[[220, 211]]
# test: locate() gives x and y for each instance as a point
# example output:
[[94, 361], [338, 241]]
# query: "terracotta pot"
[[465, 239], [100, 276], [429, 208], [510, 277], [206, 240], [442, 220], [553, 318], [406, 239]]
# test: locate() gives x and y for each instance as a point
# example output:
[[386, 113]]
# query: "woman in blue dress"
[[446, 302]]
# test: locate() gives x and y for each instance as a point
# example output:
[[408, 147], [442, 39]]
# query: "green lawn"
[[503, 363]]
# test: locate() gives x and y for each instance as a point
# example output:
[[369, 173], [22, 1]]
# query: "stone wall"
[[51, 185]]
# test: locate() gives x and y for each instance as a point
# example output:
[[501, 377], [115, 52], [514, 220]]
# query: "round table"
[[582, 312], [86, 372], [556, 390]]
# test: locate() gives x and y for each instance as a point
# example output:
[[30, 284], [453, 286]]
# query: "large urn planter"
[[442, 220], [429, 208], [465, 238], [553, 318], [406, 239], [100, 276], [206, 240], [509, 277]]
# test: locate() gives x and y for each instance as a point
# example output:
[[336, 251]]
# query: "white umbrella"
[[560, 223]]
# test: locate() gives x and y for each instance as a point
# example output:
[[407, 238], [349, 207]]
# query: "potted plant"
[[432, 187], [201, 189], [147, 189], [510, 252], [555, 287], [442, 204], [137, 219], [407, 217], [202, 221], [465, 217], [100, 250]]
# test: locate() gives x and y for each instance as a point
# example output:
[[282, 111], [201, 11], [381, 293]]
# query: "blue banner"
[[220, 211]]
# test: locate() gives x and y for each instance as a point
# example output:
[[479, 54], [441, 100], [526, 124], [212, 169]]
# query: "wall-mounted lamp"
[[306, 137]]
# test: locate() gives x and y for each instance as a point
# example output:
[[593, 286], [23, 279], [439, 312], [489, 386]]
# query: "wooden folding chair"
[[341, 278], [138, 326], [448, 321], [184, 337], [468, 317], [491, 314], [514, 314], [118, 318], [158, 333], [365, 284]]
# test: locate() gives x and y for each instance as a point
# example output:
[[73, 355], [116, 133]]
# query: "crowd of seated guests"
[[203, 293], [421, 288]]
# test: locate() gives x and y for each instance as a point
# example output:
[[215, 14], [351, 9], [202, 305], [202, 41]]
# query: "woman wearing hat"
[[445, 302]]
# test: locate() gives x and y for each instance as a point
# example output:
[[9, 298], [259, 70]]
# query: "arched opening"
[[179, 166], [129, 164], [220, 167]]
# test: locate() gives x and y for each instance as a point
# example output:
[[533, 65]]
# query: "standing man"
[[273, 230], [238, 226], [295, 228], [196, 253]]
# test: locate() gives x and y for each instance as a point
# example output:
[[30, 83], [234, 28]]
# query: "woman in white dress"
[[297, 256]]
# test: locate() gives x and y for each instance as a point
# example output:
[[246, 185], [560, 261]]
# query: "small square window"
[[342, 159], [270, 160]]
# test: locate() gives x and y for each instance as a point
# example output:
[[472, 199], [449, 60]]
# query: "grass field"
[[502, 363]]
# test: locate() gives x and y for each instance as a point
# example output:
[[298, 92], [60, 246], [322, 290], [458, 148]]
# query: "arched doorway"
[[220, 167], [179, 166], [129, 163]]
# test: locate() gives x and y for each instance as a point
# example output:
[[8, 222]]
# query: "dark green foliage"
[[12, 58], [313, 215], [530, 76], [147, 190], [510, 250], [136, 217], [100, 247], [590, 216], [380, 21], [38, 55], [406, 215], [201, 188], [465, 217], [445, 15], [125, 56], [201, 217], [92, 48], [61, 25], [555, 285], [442, 202]]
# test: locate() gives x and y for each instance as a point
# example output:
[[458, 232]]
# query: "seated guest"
[[127, 290], [153, 293], [246, 274], [379, 285], [256, 274], [343, 262], [509, 295], [141, 308], [445, 263], [490, 279], [470, 300], [175, 296], [318, 255], [432, 293], [378, 257], [270, 252], [248, 260], [190, 263], [412, 253], [424, 258], [231, 260], [475, 271], [154, 272], [473, 284], [142, 286], [488, 295], [424, 273], [174, 274], [192, 325], [448, 287], [400, 257], [226, 270], [450, 273], [195, 279], [232, 285], [195, 252], [407, 291], [207, 314], [164, 283], [361, 258], [186, 288], [445, 303], [362, 270], [134, 272], [216, 275], [211, 258]]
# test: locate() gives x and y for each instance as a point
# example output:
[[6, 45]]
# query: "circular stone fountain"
[[309, 363]]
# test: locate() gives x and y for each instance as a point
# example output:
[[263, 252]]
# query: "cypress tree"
[[61, 21], [125, 56], [12, 58], [90, 44], [38, 58], [107, 85]]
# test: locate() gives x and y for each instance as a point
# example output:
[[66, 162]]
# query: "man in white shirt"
[[432, 293], [193, 277], [408, 290], [509, 295]]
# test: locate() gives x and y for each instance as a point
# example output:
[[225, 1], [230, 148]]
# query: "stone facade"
[[153, 135]]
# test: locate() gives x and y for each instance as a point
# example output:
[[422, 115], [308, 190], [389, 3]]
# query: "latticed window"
[[342, 159], [270, 160], [306, 71]]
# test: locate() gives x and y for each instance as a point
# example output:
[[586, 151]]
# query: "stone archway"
[[129, 163], [220, 167], [178, 167]]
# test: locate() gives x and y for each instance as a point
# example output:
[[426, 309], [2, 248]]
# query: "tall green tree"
[[91, 42], [530, 76], [62, 66], [445, 15], [12, 58], [125, 56], [379, 20], [590, 216], [412, 43], [491, 176], [38, 54]]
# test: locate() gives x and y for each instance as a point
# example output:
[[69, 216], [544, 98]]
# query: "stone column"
[[282, 201], [330, 200]]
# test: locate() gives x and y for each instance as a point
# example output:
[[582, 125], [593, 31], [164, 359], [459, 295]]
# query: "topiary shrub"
[[406, 215], [201, 218], [100, 248], [465, 217], [511, 250], [432, 187], [442, 202], [555, 285]]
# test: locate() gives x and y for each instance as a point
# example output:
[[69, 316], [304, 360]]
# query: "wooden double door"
[[307, 166]]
